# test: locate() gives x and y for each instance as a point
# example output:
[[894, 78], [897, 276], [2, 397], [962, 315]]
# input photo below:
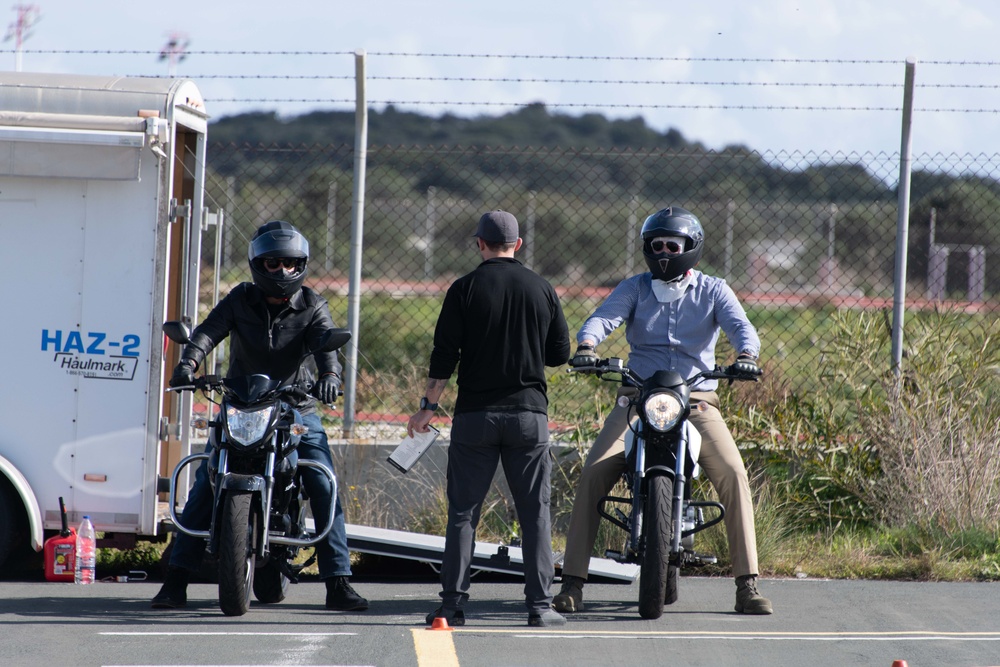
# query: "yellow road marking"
[[435, 648]]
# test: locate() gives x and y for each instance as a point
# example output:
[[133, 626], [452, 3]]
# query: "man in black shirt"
[[501, 325]]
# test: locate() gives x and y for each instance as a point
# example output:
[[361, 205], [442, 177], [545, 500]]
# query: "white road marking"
[[289, 635]]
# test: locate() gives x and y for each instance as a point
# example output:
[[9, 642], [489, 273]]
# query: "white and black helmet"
[[274, 240], [678, 222]]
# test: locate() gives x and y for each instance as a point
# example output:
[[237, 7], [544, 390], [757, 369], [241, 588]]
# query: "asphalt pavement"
[[817, 623]]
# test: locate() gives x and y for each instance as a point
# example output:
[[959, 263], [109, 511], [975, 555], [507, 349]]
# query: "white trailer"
[[101, 211]]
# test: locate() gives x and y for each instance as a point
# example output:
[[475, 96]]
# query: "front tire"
[[655, 569], [238, 526]]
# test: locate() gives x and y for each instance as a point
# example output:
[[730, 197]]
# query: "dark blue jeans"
[[332, 555]]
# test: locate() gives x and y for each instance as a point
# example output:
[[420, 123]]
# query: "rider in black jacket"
[[272, 323], [267, 338]]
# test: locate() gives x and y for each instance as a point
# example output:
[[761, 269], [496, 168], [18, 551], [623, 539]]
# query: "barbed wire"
[[536, 80], [517, 56], [599, 105], [650, 82]]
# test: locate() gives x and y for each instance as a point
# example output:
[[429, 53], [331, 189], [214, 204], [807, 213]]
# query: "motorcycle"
[[259, 514], [662, 448]]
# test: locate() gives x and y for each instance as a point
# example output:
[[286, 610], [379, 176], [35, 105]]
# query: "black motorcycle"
[[259, 515], [662, 449]]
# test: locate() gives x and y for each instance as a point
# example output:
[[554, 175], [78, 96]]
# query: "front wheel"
[[236, 557], [655, 569]]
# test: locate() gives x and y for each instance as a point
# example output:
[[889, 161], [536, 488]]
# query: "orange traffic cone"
[[441, 623], [899, 663]]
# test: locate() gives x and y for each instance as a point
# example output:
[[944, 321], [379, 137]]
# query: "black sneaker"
[[341, 597], [173, 593], [455, 617]]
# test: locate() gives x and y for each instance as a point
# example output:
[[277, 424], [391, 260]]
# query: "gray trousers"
[[480, 440]]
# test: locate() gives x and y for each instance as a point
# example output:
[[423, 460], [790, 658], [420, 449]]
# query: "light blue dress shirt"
[[678, 336]]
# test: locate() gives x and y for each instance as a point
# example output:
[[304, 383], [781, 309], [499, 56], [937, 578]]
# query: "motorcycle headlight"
[[663, 410], [246, 427]]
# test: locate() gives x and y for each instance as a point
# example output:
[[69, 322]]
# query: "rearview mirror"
[[179, 332], [334, 339]]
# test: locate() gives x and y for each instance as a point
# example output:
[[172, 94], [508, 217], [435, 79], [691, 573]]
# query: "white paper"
[[411, 449]]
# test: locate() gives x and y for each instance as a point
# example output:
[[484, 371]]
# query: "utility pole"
[[174, 51], [20, 29]]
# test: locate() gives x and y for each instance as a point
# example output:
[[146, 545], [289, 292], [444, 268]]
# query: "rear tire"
[[654, 571], [673, 573], [238, 527], [270, 586]]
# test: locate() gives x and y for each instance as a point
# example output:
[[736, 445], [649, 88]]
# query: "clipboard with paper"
[[409, 451]]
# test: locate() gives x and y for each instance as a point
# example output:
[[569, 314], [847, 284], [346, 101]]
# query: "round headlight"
[[662, 411]]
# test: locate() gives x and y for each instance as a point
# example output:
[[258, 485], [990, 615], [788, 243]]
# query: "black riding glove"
[[747, 366], [328, 388], [585, 356], [183, 374]]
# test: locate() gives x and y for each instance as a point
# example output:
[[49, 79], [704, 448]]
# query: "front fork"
[[641, 491]]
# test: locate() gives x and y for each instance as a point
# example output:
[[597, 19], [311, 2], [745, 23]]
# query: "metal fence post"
[[331, 224], [631, 233], [727, 269], [430, 222], [529, 232], [902, 219], [357, 239], [227, 250]]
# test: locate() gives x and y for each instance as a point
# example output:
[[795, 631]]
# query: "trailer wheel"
[[13, 523]]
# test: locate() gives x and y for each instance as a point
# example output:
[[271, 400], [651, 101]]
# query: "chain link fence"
[[795, 234]]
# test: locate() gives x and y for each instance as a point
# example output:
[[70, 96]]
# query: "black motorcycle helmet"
[[278, 239], [672, 221]]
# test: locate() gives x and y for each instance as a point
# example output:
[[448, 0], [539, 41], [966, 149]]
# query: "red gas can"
[[60, 557], [60, 552]]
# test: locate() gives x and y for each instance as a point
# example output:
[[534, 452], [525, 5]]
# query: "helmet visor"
[[279, 243]]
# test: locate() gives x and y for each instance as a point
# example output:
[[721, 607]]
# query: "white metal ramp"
[[487, 557]]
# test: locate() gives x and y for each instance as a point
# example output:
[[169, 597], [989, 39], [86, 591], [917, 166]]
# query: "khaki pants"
[[720, 459]]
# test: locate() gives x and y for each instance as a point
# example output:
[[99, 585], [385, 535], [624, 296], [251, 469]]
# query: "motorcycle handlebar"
[[616, 366], [298, 391]]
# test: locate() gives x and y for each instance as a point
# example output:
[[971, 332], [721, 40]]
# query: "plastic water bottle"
[[86, 553]]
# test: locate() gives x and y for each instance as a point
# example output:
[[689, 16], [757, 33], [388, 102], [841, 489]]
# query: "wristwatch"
[[427, 405]]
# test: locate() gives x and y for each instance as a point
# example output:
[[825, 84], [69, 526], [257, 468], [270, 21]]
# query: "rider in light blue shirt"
[[677, 335], [672, 316]]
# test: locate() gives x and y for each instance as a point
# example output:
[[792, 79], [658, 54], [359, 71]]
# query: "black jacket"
[[264, 344]]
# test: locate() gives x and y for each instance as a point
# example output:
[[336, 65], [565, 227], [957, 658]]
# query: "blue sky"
[[760, 74]]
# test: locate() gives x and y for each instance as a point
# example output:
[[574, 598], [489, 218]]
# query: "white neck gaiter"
[[669, 292]]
